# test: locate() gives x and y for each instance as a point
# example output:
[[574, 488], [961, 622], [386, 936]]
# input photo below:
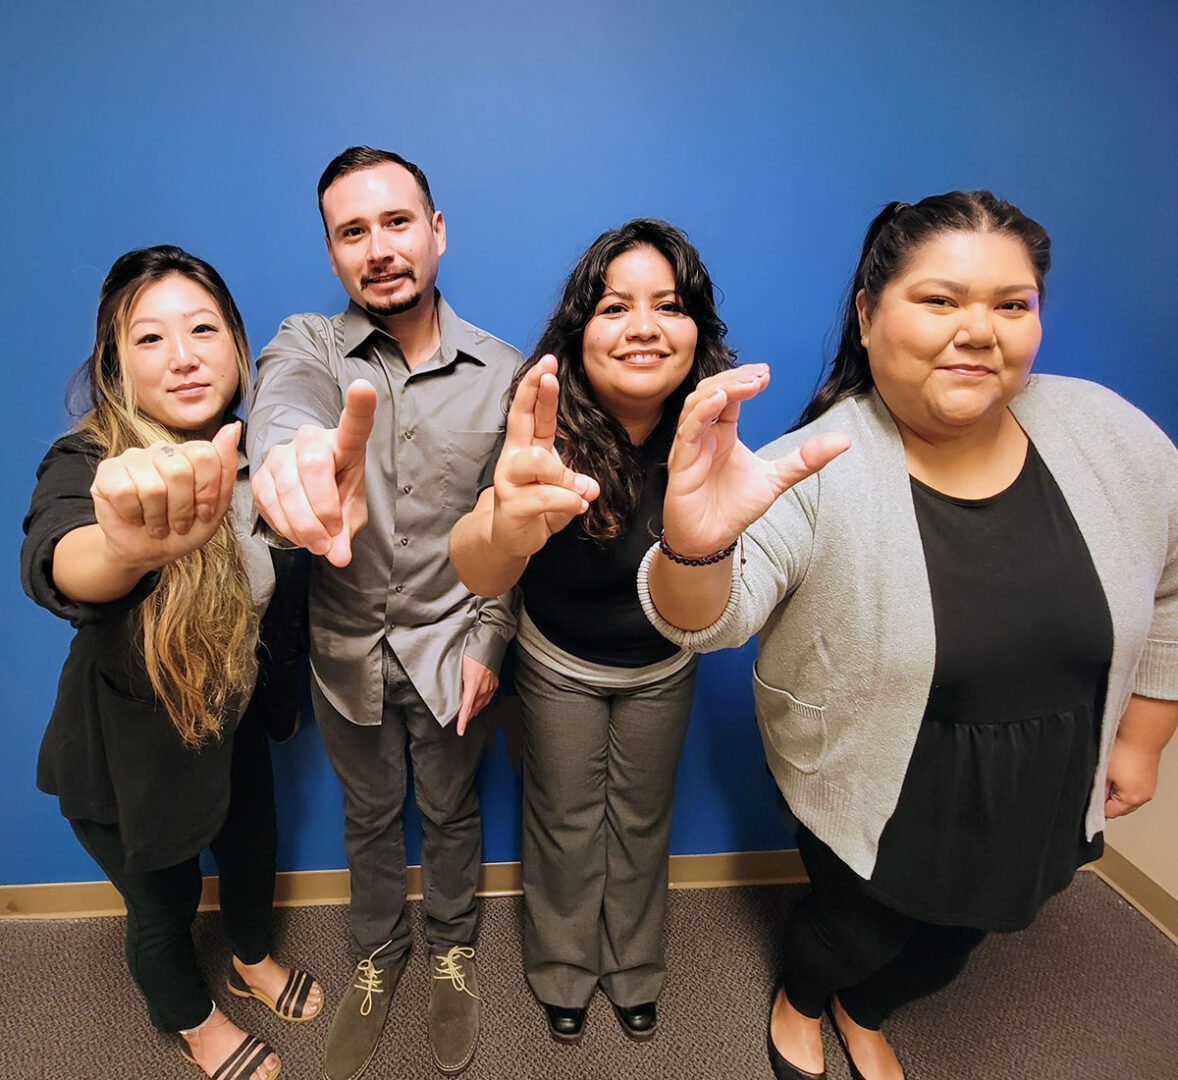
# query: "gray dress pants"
[[599, 785], [370, 762]]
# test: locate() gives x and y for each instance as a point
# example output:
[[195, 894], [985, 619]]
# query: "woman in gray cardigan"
[[967, 620]]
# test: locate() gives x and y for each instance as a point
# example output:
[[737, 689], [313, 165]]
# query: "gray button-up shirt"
[[435, 427]]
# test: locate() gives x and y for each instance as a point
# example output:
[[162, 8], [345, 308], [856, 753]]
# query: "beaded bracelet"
[[703, 560]]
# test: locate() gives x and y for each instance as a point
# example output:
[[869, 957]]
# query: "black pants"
[[161, 904], [840, 940]]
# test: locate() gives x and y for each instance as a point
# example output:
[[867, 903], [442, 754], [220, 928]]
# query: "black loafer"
[[638, 1021], [565, 1025]]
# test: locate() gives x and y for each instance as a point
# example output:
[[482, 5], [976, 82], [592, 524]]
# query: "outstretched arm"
[[716, 488], [534, 495]]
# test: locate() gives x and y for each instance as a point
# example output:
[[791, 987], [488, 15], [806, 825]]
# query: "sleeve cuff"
[[486, 646], [1157, 674], [717, 636]]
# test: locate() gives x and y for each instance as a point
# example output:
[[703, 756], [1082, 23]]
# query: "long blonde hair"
[[199, 627]]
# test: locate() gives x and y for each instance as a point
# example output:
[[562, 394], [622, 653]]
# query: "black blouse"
[[110, 752], [990, 819], [582, 594]]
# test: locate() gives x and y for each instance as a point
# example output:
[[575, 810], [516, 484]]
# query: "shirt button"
[[404, 541], [399, 588], [407, 488], [409, 434]]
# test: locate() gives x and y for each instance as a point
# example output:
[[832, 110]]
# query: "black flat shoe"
[[855, 1073], [785, 1070], [638, 1021], [565, 1025]]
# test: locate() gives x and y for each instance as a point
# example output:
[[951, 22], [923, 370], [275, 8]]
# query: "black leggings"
[[840, 940], [161, 904]]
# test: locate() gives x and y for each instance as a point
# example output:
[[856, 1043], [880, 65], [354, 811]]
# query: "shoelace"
[[368, 977], [449, 967]]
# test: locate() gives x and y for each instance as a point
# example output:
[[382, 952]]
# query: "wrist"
[[684, 555], [133, 567]]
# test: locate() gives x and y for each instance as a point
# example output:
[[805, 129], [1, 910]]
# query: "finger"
[[740, 383], [465, 710], [544, 418], [696, 439], [176, 469], [541, 500], [152, 491], [315, 458], [302, 526], [113, 485], [225, 442], [1114, 808], [521, 413], [812, 455], [488, 692], [339, 553], [536, 465], [355, 424], [206, 477], [266, 500]]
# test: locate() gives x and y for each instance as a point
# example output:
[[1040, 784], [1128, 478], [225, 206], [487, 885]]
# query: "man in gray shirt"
[[385, 414]]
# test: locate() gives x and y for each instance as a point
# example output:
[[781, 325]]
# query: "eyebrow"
[[956, 286], [405, 212], [186, 315], [629, 296]]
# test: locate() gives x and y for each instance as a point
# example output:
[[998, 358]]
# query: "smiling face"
[[179, 356], [383, 241], [639, 345], [952, 337]]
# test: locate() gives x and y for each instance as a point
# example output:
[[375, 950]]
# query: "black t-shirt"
[[583, 595], [110, 752]]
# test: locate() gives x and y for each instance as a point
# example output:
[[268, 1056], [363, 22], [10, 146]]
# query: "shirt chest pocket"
[[464, 456]]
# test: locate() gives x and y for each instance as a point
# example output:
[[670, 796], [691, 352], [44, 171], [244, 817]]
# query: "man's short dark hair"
[[355, 158]]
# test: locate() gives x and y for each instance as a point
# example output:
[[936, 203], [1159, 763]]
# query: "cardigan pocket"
[[791, 729]]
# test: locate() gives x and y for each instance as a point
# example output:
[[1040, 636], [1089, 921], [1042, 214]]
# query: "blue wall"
[[771, 131]]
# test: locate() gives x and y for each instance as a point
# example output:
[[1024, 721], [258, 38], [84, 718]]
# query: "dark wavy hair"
[[892, 240], [590, 439]]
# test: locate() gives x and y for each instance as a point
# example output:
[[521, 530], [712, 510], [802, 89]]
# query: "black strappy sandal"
[[291, 1002], [249, 1056]]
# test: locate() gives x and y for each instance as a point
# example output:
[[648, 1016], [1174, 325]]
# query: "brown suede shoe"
[[359, 1019], [454, 1009]]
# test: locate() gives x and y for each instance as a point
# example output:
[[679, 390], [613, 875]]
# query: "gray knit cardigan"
[[836, 586]]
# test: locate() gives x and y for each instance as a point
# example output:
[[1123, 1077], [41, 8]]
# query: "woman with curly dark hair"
[[605, 699]]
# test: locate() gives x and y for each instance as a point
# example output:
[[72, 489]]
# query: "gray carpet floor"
[[1090, 992]]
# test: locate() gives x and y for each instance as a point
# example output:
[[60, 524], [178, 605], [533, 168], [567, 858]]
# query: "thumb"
[[810, 457], [225, 443], [355, 424]]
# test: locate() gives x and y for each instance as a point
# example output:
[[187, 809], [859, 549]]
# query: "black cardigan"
[[110, 753]]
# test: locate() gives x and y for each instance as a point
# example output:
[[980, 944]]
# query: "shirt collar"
[[456, 335]]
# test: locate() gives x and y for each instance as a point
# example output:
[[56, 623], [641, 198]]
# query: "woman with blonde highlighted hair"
[[140, 534]]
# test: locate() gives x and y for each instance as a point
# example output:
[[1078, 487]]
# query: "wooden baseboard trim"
[[304, 888], [1140, 890]]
